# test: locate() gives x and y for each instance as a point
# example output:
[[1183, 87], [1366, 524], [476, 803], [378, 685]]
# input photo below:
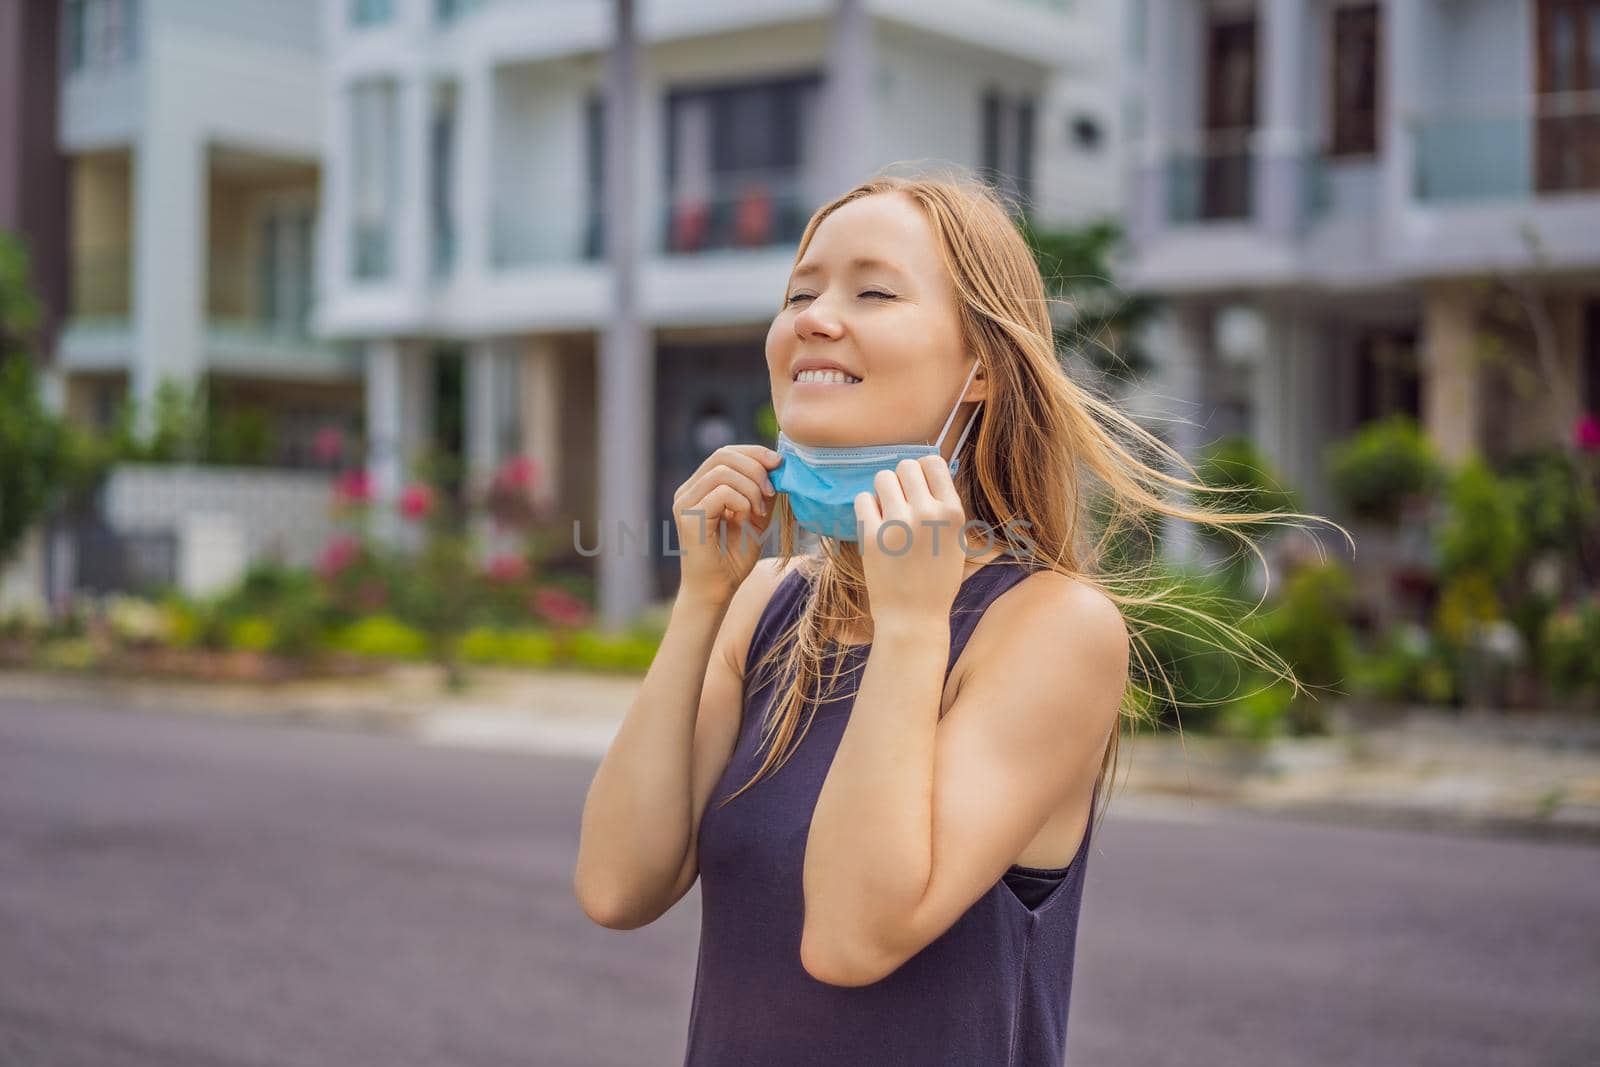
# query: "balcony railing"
[[1526, 148], [523, 240], [101, 284], [1212, 180], [249, 293], [752, 210]]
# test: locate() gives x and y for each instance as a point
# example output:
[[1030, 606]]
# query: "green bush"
[[1407, 666], [1570, 639], [521, 647], [253, 633], [1483, 530], [1378, 468], [380, 636], [1238, 465], [628, 652]]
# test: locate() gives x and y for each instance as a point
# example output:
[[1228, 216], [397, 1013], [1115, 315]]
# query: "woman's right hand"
[[722, 511]]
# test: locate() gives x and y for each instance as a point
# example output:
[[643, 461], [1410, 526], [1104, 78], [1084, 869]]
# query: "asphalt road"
[[178, 891]]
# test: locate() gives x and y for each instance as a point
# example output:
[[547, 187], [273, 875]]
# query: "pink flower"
[[353, 487], [559, 607], [518, 472], [328, 445], [1587, 432], [507, 567], [416, 501], [343, 550]]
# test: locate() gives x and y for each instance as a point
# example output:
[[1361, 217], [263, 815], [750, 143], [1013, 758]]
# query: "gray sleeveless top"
[[991, 991]]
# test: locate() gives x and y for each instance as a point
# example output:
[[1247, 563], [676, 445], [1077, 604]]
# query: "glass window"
[[1355, 80], [375, 136], [371, 12]]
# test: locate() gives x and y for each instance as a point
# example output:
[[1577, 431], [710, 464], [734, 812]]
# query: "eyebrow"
[[859, 261]]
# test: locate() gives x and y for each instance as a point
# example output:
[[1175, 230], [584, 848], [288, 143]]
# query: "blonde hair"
[[1041, 442]]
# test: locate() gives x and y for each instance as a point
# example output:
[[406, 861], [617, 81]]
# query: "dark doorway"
[[1230, 118], [706, 395]]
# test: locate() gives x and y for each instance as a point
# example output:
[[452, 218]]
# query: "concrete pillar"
[[472, 195], [1452, 380], [1280, 144], [1183, 337], [399, 402], [627, 364], [1152, 191], [541, 414], [850, 90], [491, 392], [1294, 408], [413, 234], [170, 212], [1402, 39]]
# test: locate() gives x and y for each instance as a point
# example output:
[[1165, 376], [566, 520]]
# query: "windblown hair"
[[1047, 457]]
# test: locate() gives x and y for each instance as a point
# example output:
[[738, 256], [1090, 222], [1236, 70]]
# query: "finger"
[[891, 495], [940, 483], [914, 483], [711, 510], [754, 460], [868, 517], [737, 477]]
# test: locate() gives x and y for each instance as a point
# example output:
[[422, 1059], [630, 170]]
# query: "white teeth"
[[837, 377]]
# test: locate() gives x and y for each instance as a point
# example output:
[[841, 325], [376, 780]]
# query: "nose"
[[815, 319]]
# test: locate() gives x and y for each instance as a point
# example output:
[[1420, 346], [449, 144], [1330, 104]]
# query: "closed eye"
[[869, 292]]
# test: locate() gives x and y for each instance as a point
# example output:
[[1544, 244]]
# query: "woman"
[[904, 740]]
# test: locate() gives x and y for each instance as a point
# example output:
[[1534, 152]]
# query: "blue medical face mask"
[[822, 482]]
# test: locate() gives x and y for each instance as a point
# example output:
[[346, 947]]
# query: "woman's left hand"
[[912, 547]]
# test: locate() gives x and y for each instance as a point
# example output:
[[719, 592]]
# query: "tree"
[[33, 442], [1101, 322]]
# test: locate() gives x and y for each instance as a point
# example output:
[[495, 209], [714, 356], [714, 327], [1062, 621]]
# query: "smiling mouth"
[[824, 377]]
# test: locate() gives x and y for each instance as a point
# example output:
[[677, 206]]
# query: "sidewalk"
[[1527, 775]]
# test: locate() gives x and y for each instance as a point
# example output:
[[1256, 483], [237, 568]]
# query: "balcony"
[[750, 210], [1212, 180], [521, 239], [1523, 149]]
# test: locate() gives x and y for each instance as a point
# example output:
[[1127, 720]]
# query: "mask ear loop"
[[952, 417]]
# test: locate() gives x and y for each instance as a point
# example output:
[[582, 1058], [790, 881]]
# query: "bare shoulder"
[[1056, 624]]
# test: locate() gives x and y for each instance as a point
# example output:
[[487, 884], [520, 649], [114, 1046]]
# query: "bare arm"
[[636, 848]]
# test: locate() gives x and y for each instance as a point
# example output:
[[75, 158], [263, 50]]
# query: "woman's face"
[[893, 324]]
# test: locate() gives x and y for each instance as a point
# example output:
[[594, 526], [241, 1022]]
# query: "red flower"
[[507, 567], [416, 501], [353, 487], [1587, 432], [343, 550], [560, 607], [328, 445], [518, 472]]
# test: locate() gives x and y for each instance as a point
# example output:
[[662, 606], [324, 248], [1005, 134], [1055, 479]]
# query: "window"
[[450, 10], [284, 271], [100, 34], [1356, 53], [1567, 119], [594, 142], [371, 12], [375, 135], [734, 159], [1006, 144], [1225, 169], [441, 183]]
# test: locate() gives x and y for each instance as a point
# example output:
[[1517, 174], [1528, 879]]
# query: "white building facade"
[[462, 231], [194, 130], [1330, 193]]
